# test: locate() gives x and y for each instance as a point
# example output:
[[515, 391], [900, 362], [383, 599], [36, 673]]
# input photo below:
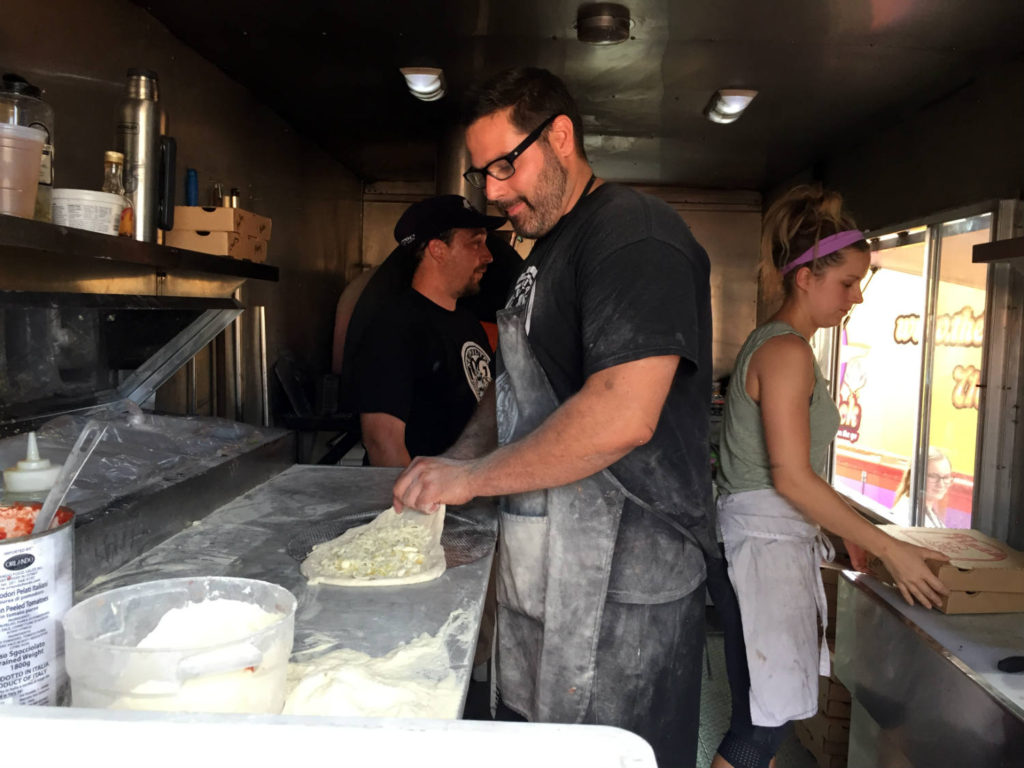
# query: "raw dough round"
[[391, 550]]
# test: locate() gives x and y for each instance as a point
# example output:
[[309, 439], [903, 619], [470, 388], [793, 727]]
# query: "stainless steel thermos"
[[149, 155]]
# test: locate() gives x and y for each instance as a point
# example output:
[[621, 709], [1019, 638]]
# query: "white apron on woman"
[[773, 555]]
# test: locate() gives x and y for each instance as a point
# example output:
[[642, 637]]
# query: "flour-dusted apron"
[[774, 556], [555, 556]]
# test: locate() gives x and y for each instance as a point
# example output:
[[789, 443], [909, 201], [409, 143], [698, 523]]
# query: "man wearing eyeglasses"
[[595, 434]]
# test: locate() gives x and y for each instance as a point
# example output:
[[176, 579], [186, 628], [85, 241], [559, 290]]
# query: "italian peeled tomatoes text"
[[22, 592]]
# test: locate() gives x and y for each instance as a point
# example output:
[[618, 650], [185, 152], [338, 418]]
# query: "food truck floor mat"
[[464, 540]]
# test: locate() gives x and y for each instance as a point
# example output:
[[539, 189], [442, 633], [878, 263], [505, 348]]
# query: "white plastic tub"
[[245, 672], [87, 209]]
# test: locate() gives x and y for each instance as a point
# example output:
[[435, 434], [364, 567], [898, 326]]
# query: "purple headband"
[[824, 247]]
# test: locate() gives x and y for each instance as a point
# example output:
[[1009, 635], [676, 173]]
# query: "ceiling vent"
[[602, 23]]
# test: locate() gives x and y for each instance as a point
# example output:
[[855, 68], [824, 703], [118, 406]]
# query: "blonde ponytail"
[[793, 224]]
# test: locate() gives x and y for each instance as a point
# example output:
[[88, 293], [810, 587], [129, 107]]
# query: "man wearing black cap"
[[422, 368]]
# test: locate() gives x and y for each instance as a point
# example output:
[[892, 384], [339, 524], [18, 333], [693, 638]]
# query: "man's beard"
[[543, 208], [471, 288]]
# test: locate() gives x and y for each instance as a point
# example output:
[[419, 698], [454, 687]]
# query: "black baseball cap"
[[425, 220]]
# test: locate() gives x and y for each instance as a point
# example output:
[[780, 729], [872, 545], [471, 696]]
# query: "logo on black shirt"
[[523, 288], [477, 364]]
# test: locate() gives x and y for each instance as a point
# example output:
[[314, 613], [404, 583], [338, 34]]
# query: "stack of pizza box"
[[983, 574], [220, 231]]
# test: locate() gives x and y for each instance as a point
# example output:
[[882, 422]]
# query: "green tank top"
[[743, 454]]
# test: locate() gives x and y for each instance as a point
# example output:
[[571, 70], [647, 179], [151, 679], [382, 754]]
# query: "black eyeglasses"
[[502, 168]]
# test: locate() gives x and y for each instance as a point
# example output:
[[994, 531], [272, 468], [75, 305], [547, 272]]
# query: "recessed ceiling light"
[[602, 23], [727, 105], [425, 83]]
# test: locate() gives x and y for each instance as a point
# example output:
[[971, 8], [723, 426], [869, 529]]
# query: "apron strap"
[[825, 551], [664, 517]]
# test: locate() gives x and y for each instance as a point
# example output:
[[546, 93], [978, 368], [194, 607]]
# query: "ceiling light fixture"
[[727, 105], [602, 23], [425, 83]]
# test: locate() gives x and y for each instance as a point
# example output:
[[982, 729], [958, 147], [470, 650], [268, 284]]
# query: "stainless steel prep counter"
[[925, 688], [249, 538]]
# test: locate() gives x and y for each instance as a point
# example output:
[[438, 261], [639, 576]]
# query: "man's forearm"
[[384, 438], [568, 446], [613, 414], [480, 435], [616, 411]]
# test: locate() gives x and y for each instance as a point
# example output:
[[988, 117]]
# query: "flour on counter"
[[391, 550], [414, 680]]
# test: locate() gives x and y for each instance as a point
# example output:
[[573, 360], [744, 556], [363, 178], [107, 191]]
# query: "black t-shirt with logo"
[[425, 365], [621, 278]]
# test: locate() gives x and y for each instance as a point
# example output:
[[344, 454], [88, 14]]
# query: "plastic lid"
[[110, 156], [32, 474], [23, 132], [13, 83]]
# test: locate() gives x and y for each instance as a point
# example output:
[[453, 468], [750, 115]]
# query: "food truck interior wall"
[[954, 150], [79, 52]]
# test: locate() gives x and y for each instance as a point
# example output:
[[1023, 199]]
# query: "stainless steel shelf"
[[43, 257]]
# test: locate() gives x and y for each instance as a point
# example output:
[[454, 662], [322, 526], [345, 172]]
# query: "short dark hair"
[[421, 249], [534, 94]]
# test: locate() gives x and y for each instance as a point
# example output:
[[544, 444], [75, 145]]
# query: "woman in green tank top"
[[779, 422]]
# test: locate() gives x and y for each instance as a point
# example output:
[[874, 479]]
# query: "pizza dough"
[[415, 679], [391, 550]]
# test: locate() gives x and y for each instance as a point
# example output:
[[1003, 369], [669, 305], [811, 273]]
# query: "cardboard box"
[[827, 753], [832, 729], [210, 219], [831, 690], [218, 244], [833, 708], [983, 575], [983, 602]]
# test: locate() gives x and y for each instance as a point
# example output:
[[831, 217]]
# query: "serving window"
[[905, 368]]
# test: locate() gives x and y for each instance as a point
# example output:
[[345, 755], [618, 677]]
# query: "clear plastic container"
[[21, 103], [245, 673], [20, 150]]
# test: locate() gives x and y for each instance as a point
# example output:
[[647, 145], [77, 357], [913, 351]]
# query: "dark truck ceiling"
[[828, 72]]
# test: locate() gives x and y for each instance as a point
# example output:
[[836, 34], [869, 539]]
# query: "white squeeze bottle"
[[32, 477]]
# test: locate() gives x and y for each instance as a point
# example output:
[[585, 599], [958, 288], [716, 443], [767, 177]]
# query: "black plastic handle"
[[165, 196]]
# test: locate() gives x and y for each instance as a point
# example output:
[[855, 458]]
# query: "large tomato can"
[[36, 590]]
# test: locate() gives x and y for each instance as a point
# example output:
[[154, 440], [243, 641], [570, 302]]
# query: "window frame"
[[1002, 365]]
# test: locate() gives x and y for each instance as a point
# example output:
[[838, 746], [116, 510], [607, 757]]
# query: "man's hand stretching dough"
[[430, 481], [616, 411]]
